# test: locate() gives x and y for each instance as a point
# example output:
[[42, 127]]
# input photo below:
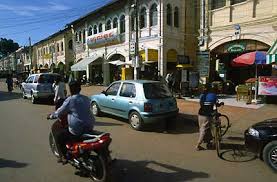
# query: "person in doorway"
[[60, 92], [80, 118], [208, 99]]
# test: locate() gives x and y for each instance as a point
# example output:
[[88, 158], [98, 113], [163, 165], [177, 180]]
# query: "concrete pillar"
[[148, 22], [87, 73], [146, 54]]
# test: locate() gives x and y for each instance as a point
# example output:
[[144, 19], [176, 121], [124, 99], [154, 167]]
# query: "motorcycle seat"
[[92, 136]]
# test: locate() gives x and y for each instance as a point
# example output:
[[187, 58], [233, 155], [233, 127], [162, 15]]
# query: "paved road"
[[141, 156]]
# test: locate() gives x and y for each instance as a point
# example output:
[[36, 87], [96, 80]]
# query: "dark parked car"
[[262, 139]]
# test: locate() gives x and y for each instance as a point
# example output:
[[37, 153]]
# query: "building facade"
[[104, 40], [55, 53], [229, 28]]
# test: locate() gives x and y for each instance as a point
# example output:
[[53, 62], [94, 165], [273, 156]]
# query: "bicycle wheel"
[[217, 139], [224, 124]]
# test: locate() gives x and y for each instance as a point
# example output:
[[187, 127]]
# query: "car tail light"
[[148, 107]]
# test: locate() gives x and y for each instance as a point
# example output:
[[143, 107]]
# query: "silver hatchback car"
[[39, 86]]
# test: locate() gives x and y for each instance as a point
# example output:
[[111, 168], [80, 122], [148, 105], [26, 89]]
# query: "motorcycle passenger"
[[208, 99], [79, 116]]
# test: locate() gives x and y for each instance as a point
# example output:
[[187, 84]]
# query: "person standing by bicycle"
[[208, 99]]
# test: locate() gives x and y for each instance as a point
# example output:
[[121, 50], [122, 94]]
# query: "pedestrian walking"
[[9, 82], [60, 92], [207, 101]]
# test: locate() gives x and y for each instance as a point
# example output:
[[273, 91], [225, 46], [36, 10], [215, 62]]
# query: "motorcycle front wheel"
[[100, 167], [53, 145]]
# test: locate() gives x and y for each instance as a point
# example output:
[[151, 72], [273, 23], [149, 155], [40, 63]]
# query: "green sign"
[[236, 47]]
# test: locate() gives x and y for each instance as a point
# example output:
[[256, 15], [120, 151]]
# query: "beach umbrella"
[[252, 58]]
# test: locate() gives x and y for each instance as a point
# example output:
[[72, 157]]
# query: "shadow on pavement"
[[236, 153], [5, 96], [139, 171], [184, 123], [11, 164]]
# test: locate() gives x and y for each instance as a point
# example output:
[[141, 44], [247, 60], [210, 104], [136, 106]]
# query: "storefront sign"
[[267, 85], [236, 47], [106, 38], [203, 63]]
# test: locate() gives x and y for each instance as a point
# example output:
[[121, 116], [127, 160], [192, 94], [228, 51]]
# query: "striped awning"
[[271, 56]]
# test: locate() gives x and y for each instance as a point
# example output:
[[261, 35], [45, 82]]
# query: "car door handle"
[[113, 99], [130, 102]]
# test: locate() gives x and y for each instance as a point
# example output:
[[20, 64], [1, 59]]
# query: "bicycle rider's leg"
[[203, 122]]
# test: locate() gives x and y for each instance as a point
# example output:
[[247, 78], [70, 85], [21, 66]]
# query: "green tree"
[[7, 46]]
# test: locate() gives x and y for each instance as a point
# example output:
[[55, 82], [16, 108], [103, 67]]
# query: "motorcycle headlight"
[[253, 132]]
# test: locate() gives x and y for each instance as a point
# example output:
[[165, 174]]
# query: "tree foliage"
[[7, 46]]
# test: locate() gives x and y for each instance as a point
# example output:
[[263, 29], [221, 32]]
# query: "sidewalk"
[[241, 118]]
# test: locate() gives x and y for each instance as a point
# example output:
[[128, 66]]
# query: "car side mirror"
[[104, 92]]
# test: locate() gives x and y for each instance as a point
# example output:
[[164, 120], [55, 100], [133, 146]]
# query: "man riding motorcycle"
[[79, 116]]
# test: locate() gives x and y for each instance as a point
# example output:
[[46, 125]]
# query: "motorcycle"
[[90, 154]]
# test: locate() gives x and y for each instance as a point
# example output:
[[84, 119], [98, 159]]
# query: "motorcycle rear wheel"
[[100, 167]]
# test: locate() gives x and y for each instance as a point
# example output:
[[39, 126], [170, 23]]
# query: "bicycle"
[[220, 126]]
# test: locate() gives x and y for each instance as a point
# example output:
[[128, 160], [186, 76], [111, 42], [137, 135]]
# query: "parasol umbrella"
[[247, 59]]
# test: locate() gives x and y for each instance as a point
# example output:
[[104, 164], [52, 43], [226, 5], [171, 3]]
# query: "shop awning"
[[82, 65], [271, 56], [119, 63]]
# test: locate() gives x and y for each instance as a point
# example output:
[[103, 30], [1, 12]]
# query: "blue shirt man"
[[80, 118], [207, 102]]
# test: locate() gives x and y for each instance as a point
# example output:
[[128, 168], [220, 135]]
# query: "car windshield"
[[47, 78], [156, 91]]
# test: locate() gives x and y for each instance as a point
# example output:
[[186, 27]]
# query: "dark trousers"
[[63, 136]]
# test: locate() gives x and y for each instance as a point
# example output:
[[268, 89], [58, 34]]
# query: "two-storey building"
[[104, 40], [230, 28], [54, 53]]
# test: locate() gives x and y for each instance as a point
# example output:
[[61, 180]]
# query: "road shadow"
[[183, 124], [140, 171], [5, 96], [4, 163], [236, 153]]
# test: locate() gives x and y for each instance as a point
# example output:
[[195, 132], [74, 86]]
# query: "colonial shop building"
[[104, 39], [55, 53], [230, 28]]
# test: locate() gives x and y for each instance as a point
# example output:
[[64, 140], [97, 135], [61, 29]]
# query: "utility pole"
[[30, 54], [136, 69]]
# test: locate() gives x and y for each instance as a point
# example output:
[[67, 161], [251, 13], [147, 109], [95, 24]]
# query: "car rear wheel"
[[33, 99], [23, 94], [270, 155], [136, 121], [95, 109]]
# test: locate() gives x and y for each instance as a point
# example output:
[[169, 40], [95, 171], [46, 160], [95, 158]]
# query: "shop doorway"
[[221, 69]]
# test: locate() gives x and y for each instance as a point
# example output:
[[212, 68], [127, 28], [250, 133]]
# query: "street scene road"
[[140, 156]]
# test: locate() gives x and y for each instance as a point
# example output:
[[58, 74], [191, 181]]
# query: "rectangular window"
[[128, 90], [218, 4], [237, 1], [156, 91]]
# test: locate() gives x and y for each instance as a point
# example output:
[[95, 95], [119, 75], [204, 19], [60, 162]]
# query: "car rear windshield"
[[156, 91], [47, 78]]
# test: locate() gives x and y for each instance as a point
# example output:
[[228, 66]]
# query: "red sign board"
[[267, 85]]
